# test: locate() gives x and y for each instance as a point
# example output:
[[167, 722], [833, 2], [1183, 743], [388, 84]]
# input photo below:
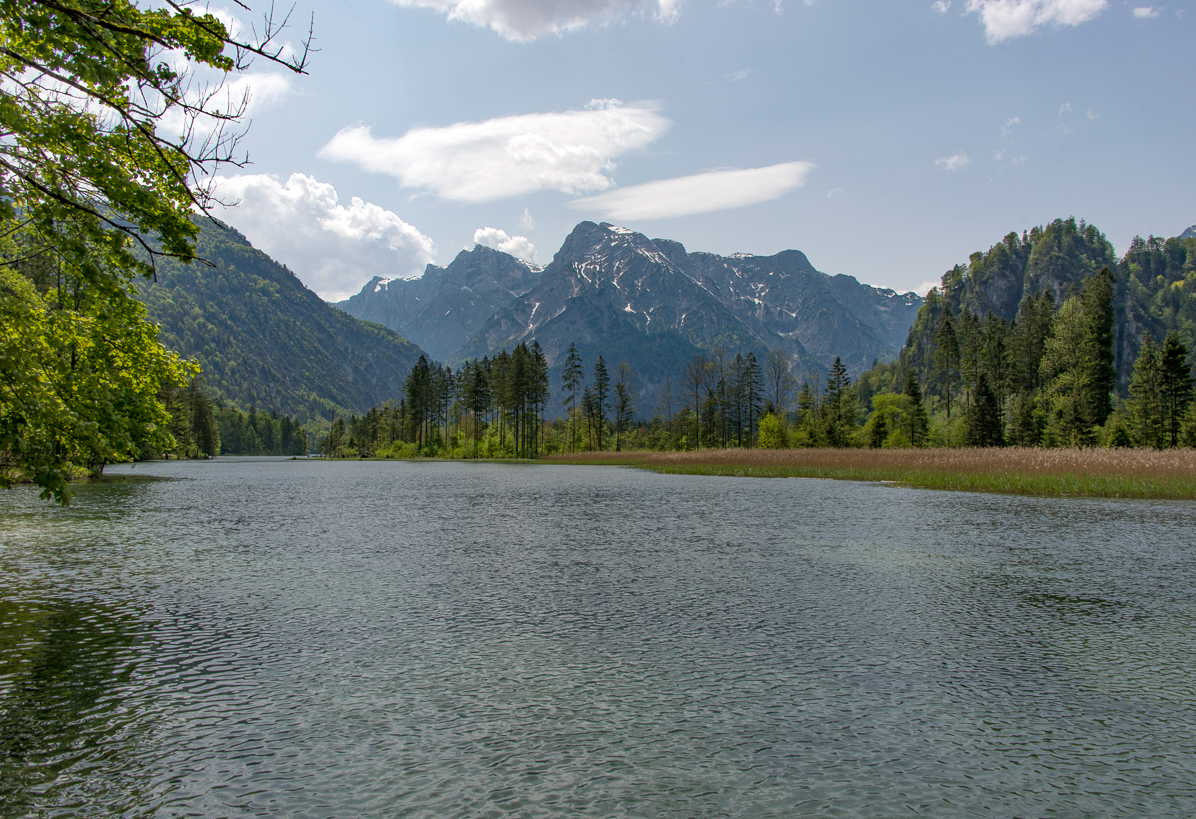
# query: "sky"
[[886, 139]]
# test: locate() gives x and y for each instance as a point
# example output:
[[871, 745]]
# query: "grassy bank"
[[1097, 473]]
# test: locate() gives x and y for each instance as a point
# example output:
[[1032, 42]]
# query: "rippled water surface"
[[268, 637]]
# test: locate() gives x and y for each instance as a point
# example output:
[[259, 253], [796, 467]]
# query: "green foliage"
[[772, 433], [265, 340], [80, 370]]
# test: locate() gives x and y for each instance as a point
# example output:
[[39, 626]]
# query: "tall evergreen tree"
[[1146, 397], [1175, 375], [571, 381], [983, 425], [601, 394], [946, 354], [838, 406], [918, 421], [1096, 298]]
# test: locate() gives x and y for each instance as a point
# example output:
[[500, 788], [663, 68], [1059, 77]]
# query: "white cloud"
[[741, 74], [941, 6], [517, 246], [526, 222], [925, 287], [332, 248], [525, 20], [569, 151], [1006, 19], [1143, 12], [700, 193], [953, 162], [833, 192]]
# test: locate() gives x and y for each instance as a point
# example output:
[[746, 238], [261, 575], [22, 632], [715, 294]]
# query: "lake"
[[261, 637]]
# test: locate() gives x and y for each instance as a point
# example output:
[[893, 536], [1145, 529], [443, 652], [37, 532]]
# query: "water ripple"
[[264, 637]]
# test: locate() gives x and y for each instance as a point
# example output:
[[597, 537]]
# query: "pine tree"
[[1146, 391], [983, 417], [571, 380], [1176, 383], [838, 406], [946, 354], [919, 423], [601, 392], [1096, 299]]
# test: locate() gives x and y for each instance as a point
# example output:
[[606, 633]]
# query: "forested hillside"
[[263, 339], [1042, 336]]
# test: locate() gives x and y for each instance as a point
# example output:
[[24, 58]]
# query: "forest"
[[1055, 374]]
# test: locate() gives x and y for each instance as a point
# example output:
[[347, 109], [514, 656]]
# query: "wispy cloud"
[[1144, 12], [517, 246], [525, 20], [332, 248], [953, 162], [833, 192], [526, 222], [1006, 19], [569, 151], [941, 6], [741, 74], [699, 193]]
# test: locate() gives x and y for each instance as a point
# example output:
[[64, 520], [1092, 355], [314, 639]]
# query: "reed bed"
[[1103, 473]]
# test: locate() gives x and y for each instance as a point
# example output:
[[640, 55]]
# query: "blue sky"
[[886, 140]]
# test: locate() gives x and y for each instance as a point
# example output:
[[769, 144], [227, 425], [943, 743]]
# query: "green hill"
[[1155, 287], [263, 339]]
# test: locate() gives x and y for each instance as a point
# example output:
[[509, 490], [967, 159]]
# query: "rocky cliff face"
[[615, 292], [446, 306]]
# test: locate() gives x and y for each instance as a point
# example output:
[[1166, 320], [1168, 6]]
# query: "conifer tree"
[[983, 417], [946, 354], [601, 392], [1146, 391], [1176, 382], [918, 422], [571, 381]]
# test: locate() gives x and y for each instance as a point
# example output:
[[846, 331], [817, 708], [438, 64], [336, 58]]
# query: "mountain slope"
[[611, 287], [264, 339], [1155, 286], [446, 306]]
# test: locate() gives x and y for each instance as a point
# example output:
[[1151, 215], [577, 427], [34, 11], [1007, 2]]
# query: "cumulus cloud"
[[1142, 12], [334, 249], [517, 246], [953, 162], [569, 151], [1006, 19], [700, 193], [525, 20]]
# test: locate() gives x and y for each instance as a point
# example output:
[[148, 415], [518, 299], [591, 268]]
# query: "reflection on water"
[[325, 639]]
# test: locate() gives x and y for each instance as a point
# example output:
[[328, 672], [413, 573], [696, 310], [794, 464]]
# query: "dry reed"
[[1127, 473]]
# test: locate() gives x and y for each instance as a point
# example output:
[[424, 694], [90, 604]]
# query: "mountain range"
[[616, 293]]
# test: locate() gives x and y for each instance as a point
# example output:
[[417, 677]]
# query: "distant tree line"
[[489, 407], [201, 428]]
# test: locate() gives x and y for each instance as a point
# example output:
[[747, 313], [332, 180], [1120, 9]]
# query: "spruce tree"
[[918, 421], [1096, 299], [601, 392], [1176, 382], [1146, 405], [571, 380], [946, 354], [983, 418]]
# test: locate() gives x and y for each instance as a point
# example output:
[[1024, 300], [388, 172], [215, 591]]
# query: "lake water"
[[268, 637]]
